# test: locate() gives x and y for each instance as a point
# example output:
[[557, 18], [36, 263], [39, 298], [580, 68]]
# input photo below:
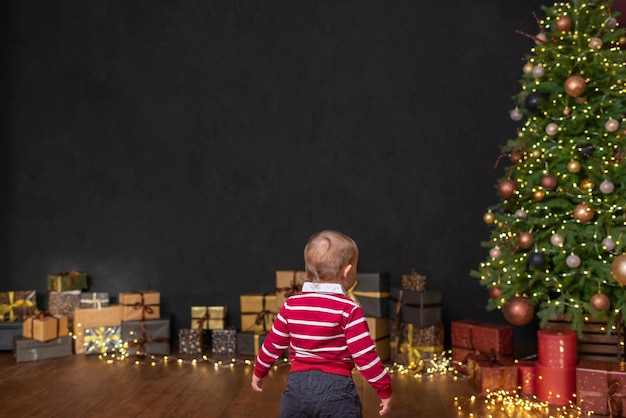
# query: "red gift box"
[[490, 375], [557, 348], [527, 377], [555, 386], [482, 337], [601, 387]]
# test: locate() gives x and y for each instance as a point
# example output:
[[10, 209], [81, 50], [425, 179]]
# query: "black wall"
[[192, 147]]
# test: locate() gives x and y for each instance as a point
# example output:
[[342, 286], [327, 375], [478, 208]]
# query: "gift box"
[[71, 280], [108, 316], [193, 340], [64, 303], [101, 340], [27, 349], [421, 309], [413, 281], [459, 358], [490, 375], [371, 291], [139, 306], [223, 341], [411, 344], [482, 337], [147, 337], [94, 300], [43, 327], [379, 331], [8, 330], [249, 343], [288, 282], [17, 305], [556, 386], [258, 311], [208, 317], [557, 348], [526, 377], [601, 387]]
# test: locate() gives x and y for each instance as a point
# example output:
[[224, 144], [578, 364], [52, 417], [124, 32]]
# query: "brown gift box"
[[423, 342], [64, 303], [258, 311], [379, 330], [45, 328], [601, 387], [288, 282], [138, 306], [108, 316], [17, 305], [490, 375], [414, 281], [483, 337], [211, 317]]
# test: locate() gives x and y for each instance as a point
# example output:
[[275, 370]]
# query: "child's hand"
[[385, 406], [256, 384]]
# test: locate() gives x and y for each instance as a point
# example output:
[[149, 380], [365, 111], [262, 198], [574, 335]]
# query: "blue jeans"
[[315, 394]]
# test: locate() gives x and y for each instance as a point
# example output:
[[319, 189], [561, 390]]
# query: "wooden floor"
[[87, 386]]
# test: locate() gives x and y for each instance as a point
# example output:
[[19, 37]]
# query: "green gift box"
[[72, 280]]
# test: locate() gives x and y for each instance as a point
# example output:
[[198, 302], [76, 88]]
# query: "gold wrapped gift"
[[108, 316], [208, 317], [258, 311], [379, 330], [139, 306], [288, 283]]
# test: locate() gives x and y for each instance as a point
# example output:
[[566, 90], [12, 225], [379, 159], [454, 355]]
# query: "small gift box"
[[17, 305], [223, 341], [192, 341], [27, 349], [411, 345], [526, 377], [101, 340], [44, 327], [371, 291], [208, 317], [258, 311], [414, 281], [288, 283], [379, 331], [601, 387], [147, 337], [108, 316], [418, 308], [139, 306], [248, 343], [482, 337], [490, 375], [72, 280], [94, 300], [554, 385], [64, 303], [8, 330]]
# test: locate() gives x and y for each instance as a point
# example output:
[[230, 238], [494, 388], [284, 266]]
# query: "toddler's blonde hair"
[[326, 253]]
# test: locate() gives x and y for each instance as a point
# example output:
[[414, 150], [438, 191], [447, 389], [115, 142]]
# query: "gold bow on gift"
[[415, 362], [101, 339], [8, 308], [352, 294]]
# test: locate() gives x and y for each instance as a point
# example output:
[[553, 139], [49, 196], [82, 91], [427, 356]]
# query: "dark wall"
[[192, 147]]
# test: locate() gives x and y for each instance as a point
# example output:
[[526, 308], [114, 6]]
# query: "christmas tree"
[[558, 236]]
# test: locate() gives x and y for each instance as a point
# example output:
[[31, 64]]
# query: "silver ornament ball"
[[520, 213], [607, 187], [611, 125], [538, 71], [557, 240], [516, 115], [495, 252], [552, 129], [573, 261], [608, 244]]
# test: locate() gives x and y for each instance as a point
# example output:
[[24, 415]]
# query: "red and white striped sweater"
[[325, 330]]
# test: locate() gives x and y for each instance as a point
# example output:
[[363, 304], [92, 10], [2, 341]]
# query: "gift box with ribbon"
[[27, 349], [371, 291], [17, 305], [482, 337], [421, 309], [379, 331], [490, 374], [258, 311], [601, 387], [248, 343], [64, 303], [139, 306], [412, 345], [223, 341], [67, 280], [288, 282], [208, 317], [146, 337], [101, 340], [108, 316], [413, 281], [193, 341], [42, 326], [96, 300]]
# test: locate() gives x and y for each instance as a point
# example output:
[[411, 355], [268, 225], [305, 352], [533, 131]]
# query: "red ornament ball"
[[583, 213], [563, 24], [525, 240], [575, 86], [506, 188], [618, 269], [600, 302], [518, 311], [495, 293], [549, 182]]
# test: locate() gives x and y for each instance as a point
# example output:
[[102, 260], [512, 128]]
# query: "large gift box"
[[371, 291], [43, 327], [258, 311], [249, 343], [8, 330], [27, 349], [71, 280], [288, 282], [418, 308], [17, 305], [411, 345], [101, 340], [601, 387], [379, 331], [490, 375], [147, 337], [64, 303], [208, 317], [94, 299], [482, 337], [224, 341], [108, 316], [138, 306], [193, 340]]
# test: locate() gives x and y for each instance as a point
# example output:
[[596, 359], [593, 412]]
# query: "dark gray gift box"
[[153, 339], [248, 343], [419, 308], [27, 349], [7, 331], [372, 293]]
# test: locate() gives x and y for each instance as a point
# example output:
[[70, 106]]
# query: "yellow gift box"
[[258, 311], [288, 282], [45, 327], [107, 316], [208, 317], [139, 306], [379, 330]]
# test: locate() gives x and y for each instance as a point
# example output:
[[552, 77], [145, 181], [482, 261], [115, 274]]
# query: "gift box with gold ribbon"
[[421, 309], [42, 326], [17, 305], [101, 340], [67, 280], [27, 349], [379, 331], [288, 283], [248, 343], [601, 387], [411, 345], [258, 311], [371, 291], [146, 337], [139, 306], [108, 316], [487, 374], [208, 317]]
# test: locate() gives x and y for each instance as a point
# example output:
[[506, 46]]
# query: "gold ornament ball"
[[495, 293], [528, 68], [539, 195], [489, 217], [549, 182], [563, 24], [587, 184], [600, 302], [595, 43], [535, 153], [518, 311], [583, 213], [573, 167], [506, 188], [618, 269], [525, 240], [575, 86]]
